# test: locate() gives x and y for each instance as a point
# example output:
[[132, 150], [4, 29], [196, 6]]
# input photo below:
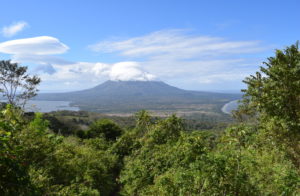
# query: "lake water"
[[228, 107], [48, 106]]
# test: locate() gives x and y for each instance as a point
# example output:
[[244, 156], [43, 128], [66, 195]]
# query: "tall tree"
[[275, 90], [15, 84]]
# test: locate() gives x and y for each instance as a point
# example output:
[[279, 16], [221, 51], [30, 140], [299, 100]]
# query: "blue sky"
[[199, 45]]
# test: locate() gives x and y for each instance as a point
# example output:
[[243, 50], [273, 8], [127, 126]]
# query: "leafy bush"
[[104, 128]]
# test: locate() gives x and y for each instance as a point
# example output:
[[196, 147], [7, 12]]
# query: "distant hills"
[[131, 96]]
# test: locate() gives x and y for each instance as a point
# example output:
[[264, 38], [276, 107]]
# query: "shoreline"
[[228, 107]]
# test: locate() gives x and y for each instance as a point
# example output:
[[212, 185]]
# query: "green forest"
[[256, 154]]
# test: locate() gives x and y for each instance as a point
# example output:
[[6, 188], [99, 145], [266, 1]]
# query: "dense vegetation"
[[257, 155], [73, 122]]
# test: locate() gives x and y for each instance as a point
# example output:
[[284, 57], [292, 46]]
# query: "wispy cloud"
[[181, 57], [13, 29], [178, 44], [175, 56]]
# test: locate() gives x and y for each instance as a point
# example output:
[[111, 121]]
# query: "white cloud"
[[40, 52], [178, 56], [101, 69], [175, 56], [129, 71], [43, 45], [123, 71], [87, 74], [13, 29], [176, 44]]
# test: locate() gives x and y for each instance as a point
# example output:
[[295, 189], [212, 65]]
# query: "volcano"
[[131, 96]]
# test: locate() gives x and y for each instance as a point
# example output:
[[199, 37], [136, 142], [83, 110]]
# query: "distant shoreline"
[[228, 107]]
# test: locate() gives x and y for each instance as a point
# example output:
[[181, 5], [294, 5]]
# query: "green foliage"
[[192, 164], [273, 96], [274, 91], [77, 122], [35, 161], [14, 178], [39, 124], [79, 164], [61, 165], [163, 148], [104, 128], [262, 163], [155, 158]]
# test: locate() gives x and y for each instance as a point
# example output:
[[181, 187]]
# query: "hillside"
[[131, 96]]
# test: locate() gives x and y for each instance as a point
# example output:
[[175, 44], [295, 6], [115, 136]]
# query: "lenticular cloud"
[[43, 45]]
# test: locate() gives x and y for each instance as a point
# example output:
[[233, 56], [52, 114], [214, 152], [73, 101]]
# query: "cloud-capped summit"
[[129, 71], [123, 71]]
